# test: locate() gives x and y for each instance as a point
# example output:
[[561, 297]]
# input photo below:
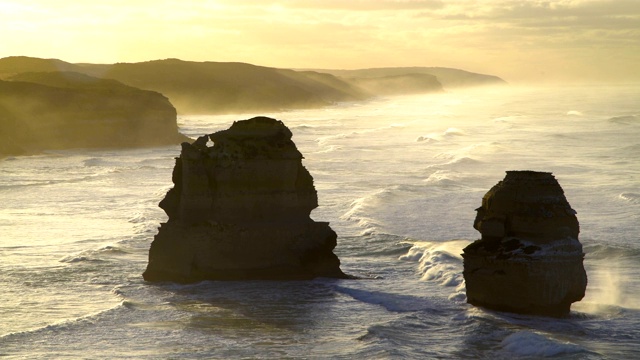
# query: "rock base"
[[232, 252], [545, 282]]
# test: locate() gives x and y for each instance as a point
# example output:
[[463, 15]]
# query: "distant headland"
[[62, 110], [53, 104], [233, 87]]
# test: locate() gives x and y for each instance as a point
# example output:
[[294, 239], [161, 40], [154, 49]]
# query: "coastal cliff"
[[398, 84], [529, 259], [62, 110], [446, 78], [211, 87], [240, 210]]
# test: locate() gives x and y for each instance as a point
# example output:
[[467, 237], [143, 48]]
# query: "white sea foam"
[[455, 162], [425, 139], [609, 286], [361, 209], [357, 211], [531, 344], [440, 262], [630, 197], [444, 135], [97, 210], [357, 134], [443, 178], [62, 325], [137, 218], [329, 148]]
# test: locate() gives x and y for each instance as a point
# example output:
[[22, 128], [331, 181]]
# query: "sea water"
[[398, 178]]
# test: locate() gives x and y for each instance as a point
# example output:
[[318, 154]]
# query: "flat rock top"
[[518, 188], [257, 127], [259, 137]]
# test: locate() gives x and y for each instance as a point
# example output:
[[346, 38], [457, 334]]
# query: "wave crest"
[[93, 255], [528, 343], [633, 198], [625, 119], [440, 262]]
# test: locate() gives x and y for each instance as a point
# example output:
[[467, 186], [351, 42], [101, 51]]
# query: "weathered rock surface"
[[529, 259], [240, 210]]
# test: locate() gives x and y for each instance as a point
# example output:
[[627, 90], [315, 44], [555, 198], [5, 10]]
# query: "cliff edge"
[[62, 110]]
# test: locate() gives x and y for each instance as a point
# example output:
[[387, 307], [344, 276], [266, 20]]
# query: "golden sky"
[[518, 40]]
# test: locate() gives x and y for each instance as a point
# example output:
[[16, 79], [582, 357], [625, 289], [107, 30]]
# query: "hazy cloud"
[[509, 38], [522, 11], [350, 5]]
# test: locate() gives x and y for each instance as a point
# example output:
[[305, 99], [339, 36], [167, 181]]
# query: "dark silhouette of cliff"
[[72, 80], [60, 110], [13, 65], [219, 87], [210, 87], [231, 87], [448, 77]]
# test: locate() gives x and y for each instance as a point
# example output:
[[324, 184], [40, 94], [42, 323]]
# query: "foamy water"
[[398, 178]]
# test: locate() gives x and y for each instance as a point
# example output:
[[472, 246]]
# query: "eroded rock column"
[[240, 210], [529, 259]]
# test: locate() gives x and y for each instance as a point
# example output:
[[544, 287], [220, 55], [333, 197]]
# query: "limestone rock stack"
[[240, 210], [529, 259]]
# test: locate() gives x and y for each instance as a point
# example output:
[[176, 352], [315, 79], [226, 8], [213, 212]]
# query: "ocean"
[[398, 178]]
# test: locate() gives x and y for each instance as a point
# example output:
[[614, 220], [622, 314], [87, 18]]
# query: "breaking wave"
[[627, 119], [325, 139], [456, 162], [633, 198], [96, 255], [447, 134], [438, 262], [531, 344], [63, 325]]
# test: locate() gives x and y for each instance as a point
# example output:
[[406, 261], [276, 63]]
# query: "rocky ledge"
[[240, 210], [529, 259]]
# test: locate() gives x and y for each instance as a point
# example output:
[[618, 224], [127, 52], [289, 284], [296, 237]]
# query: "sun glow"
[[517, 40]]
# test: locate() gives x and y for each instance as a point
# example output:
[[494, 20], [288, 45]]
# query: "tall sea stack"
[[529, 259], [240, 210]]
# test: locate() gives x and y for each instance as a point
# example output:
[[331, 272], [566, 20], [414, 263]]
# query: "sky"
[[519, 40]]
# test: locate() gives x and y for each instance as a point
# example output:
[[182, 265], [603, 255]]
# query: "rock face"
[[240, 210], [529, 259]]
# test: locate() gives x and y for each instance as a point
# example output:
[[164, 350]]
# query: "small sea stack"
[[529, 259], [240, 210]]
